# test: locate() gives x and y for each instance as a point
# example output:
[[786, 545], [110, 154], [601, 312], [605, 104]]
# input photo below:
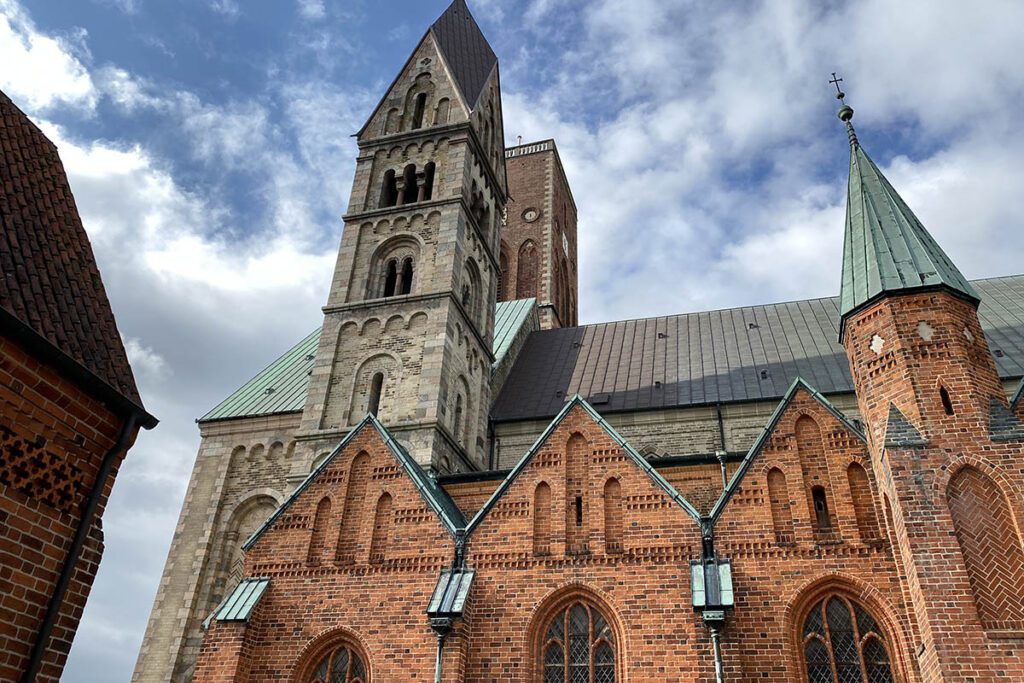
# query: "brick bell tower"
[[409, 321], [940, 434]]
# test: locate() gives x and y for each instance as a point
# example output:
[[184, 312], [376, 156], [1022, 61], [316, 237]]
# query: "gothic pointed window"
[[526, 271], [341, 665], [578, 647], [842, 643]]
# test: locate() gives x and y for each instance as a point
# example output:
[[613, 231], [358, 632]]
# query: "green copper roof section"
[[508, 318], [281, 386], [887, 248]]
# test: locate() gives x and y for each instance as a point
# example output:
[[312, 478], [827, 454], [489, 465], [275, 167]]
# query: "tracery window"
[[579, 647], [842, 643], [341, 665]]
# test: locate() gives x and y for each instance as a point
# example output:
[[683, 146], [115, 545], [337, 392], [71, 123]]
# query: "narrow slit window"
[[579, 510], [947, 404], [821, 517], [376, 385], [428, 181]]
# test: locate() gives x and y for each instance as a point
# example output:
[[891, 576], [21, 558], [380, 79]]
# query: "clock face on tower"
[[531, 214]]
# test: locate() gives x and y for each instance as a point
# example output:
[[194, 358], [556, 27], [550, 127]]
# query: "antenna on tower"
[[519, 140]]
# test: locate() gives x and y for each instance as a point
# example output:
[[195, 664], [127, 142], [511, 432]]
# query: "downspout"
[[720, 453], [714, 627], [81, 535]]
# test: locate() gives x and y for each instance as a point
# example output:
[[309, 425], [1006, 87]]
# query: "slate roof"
[[886, 248], [50, 286], [281, 386], [465, 49], [739, 354]]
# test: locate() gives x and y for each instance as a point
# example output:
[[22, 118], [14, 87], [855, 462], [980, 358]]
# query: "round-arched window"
[[842, 643], [579, 647], [340, 665]]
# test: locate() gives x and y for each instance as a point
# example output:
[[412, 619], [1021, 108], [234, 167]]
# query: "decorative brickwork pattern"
[[42, 474], [991, 548]]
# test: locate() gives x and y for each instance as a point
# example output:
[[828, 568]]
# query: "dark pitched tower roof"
[[464, 47], [50, 287], [886, 247]]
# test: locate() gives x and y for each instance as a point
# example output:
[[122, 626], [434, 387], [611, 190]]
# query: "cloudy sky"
[[208, 145]]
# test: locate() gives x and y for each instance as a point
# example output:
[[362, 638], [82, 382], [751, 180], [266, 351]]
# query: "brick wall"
[[954, 494], [53, 437]]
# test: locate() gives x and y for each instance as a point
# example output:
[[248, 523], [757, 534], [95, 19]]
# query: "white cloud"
[[228, 8], [312, 9], [40, 70]]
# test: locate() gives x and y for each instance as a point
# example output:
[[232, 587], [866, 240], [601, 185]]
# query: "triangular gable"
[[899, 432], [630, 452], [762, 439], [437, 498]]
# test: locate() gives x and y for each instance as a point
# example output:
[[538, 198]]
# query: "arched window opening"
[[947, 404], [467, 298], [843, 643], [381, 529], [388, 190], [863, 505], [822, 519], [542, 519], [409, 187], [613, 516], [526, 271], [355, 492], [441, 114], [782, 516], [457, 422], [391, 121], [578, 647], [418, 109], [376, 385], [577, 458], [319, 536], [406, 286], [427, 189], [984, 527], [341, 665], [391, 278]]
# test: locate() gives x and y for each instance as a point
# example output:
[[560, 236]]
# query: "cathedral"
[[451, 480]]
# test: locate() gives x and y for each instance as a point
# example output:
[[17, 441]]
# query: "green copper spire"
[[886, 249]]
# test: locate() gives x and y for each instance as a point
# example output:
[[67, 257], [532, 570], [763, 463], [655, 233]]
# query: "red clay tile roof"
[[49, 280]]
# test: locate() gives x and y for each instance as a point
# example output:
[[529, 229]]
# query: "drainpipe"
[[81, 535], [717, 646], [443, 626], [715, 621]]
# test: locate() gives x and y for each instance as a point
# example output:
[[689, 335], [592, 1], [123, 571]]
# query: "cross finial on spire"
[[845, 111], [839, 93]]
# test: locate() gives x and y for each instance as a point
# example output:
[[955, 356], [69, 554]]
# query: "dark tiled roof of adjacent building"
[[50, 287], [466, 50], [739, 354]]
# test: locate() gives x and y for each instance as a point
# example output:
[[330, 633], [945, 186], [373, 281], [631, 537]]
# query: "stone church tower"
[[409, 321]]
